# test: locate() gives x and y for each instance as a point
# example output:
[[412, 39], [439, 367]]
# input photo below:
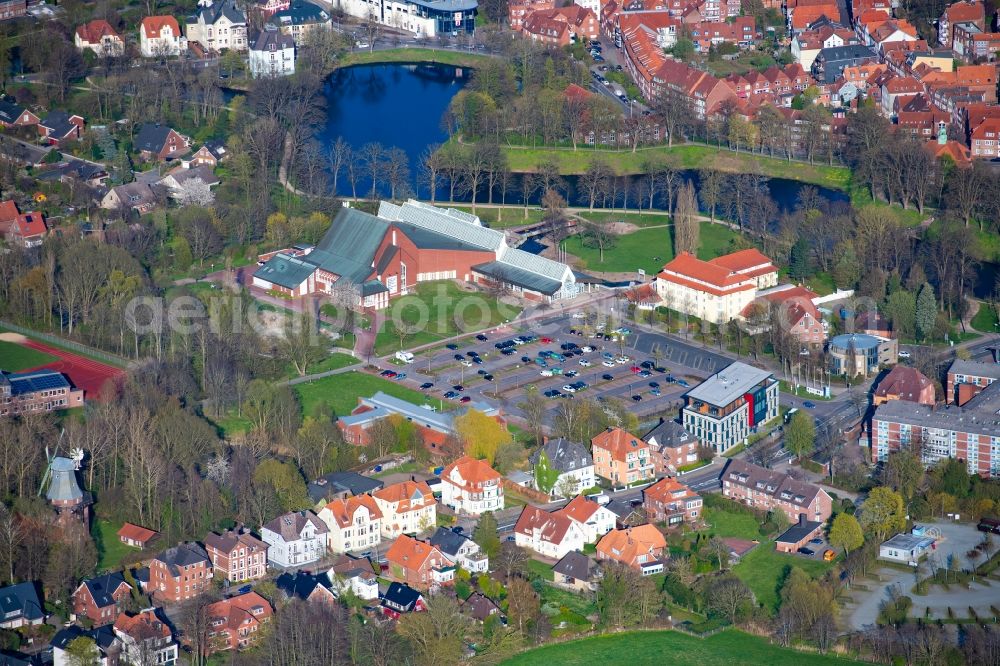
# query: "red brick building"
[[159, 142], [237, 555], [235, 623], [768, 490], [100, 599], [562, 26], [671, 447], [36, 391], [180, 573], [904, 383], [418, 564]]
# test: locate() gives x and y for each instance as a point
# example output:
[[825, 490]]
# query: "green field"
[[437, 311], [341, 392], [731, 524], [541, 569], [413, 55], [686, 156], [985, 320], [653, 219], [110, 549], [513, 216], [647, 249], [15, 357], [763, 569], [670, 647]]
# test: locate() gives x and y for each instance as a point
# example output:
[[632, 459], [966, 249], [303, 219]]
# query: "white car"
[[584, 363], [904, 354], [545, 373], [622, 360], [569, 389], [608, 364], [578, 315], [467, 363], [587, 349]]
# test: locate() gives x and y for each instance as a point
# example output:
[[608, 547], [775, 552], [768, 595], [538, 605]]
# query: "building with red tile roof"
[[418, 564], [160, 36], [135, 536], [595, 520], [796, 310], [145, 638], [407, 508], [548, 534], [960, 12], [717, 290], [904, 383], [561, 26], [237, 555], [620, 457], [471, 486], [741, 31], [639, 547], [99, 37], [355, 523], [985, 139], [235, 623], [670, 502]]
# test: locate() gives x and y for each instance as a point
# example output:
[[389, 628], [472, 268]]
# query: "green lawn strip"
[[763, 569], [110, 549], [232, 424], [334, 361], [686, 156], [15, 357], [731, 524], [434, 309], [413, 55], [64, 345], [654, 219], [341, 392], [649, 648], [985, 320], [511, 217], [540, 569]]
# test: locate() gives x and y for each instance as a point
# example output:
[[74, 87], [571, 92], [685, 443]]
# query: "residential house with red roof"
[[594, 520], [237, 555], [145, 639], [797, 311], [99, 37], [407, 507], [471, 486], [741, 31], [704, 92], [235, 623], [985, 139], [355, 523], [807, 44], [517, 12], [769, 490], [160, 37], [639, 547], [418, 564], [960, 12], [717, 290], [27, 230], [670, 502], [671, 447], [561, 26], [548, 534], [620, 457], [136, 536], [904, 383]]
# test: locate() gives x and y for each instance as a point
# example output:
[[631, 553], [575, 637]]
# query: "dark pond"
[[402, 105]]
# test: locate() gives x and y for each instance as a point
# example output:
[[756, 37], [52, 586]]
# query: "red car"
[[546, 341], [636, 369], [465, 398]]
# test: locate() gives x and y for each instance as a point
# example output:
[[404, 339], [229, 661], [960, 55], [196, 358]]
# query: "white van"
[[404, 356]]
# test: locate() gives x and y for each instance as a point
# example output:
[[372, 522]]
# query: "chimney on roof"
[[802, 520]]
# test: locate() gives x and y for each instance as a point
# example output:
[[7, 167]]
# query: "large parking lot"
[[647, 370]]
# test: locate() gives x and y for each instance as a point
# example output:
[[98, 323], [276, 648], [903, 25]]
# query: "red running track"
[[84, 373]]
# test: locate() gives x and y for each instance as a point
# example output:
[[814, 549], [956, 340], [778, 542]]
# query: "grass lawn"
[[670, 647], [638, 219], [437, 311], [491, 216], [985, 320], [110, 549], [334, 361], [763, 569], [18, 357], [540, 568], [580, 604], [341, 392], [684, 156], [731, 524], [647, 249], [411, 55]]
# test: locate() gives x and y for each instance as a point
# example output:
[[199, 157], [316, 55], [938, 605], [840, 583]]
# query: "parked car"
[[507, 352], [637, 398], [482, 338], [829, 556], [465, 398], [569, 388], [400, 376], [608, 364], [607, 377], [809, 404], [806, 551], [451, 345], [467, 363], [387, 373], [451, 395], [683, 382], [426, 385], [459, 357], [457, 387]]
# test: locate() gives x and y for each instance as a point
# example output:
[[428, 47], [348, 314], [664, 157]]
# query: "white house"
[[218, 25], [905, 548], [160, 36], [471, 486], [295, 539], [98, 36], [549, 534], [593, 519], [460, 549], [407, 508], [272, 53], [145, 639], [572, 461], [300, 18], [354, 575], [354, 523]]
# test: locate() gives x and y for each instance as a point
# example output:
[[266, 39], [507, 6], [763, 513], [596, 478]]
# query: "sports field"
[[19, 353]]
